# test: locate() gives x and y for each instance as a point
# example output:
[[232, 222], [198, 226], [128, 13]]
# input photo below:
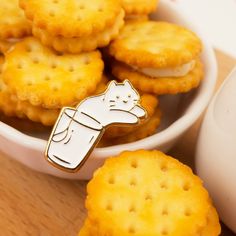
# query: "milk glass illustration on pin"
[[78, 130]]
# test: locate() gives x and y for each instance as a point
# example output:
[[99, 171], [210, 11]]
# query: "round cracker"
[[160, 86], [147, 193], [88, 229], [150, 103], [82, 44], [72, 18], [139, 7], [38, 75], [213, 227], [140, 132], [13, 23], [45, 116], [12, 107], [152, 44]]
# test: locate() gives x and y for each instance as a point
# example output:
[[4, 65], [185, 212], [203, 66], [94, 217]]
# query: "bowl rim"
[[177, 128]]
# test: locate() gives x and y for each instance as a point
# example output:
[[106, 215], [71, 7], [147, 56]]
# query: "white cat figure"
[[77, 131]]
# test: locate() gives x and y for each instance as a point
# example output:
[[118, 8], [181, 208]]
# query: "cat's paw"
[[139, 112]]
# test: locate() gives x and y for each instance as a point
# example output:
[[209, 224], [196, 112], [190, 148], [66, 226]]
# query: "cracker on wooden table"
[[81, 44], [72, 18], [139, 7], [88, 229], [44, 78], [150, 103], [213, 227], [13, 23], [152, 44], [147, 193], [160, 86]]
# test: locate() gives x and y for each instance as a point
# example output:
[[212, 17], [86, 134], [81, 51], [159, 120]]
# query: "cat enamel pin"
[[78, 130]]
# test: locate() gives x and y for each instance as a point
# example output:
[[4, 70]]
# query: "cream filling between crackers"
[[178, 71]]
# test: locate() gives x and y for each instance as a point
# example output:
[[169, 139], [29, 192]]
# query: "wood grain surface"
[[35, 204]]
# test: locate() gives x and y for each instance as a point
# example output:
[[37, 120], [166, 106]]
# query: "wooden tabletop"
[[35, 204]]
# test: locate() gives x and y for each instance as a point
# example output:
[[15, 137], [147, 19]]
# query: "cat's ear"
[[128, 84], [112, 84]]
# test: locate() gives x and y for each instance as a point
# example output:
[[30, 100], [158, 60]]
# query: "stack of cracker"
[[147, 193], [74, 26], [50, 58], [157, 57], [139, 9], [36, 80]]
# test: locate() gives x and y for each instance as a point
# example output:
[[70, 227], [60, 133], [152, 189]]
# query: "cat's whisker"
[[112, 105], [112, 101]]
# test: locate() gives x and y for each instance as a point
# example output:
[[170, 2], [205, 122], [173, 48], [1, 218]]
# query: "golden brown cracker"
[[84, 231], [213, 227], [45, 116], [40, 76], [153, 44], [5, 46], [147, 193], [72, 18], [13, 23], [48, 117], [1, 63], [24, 125], [135, 18], [13, 107], [143, 131], [102, 86], [150, 103], [139, 7], [81, 44], [7, 106], [159, 86], [88, 229]]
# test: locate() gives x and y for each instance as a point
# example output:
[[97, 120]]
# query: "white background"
[[218, 20]]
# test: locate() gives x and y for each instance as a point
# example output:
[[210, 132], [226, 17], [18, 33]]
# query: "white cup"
[[216, 151]]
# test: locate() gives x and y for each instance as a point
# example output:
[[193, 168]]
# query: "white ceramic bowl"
[[180, 114]]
